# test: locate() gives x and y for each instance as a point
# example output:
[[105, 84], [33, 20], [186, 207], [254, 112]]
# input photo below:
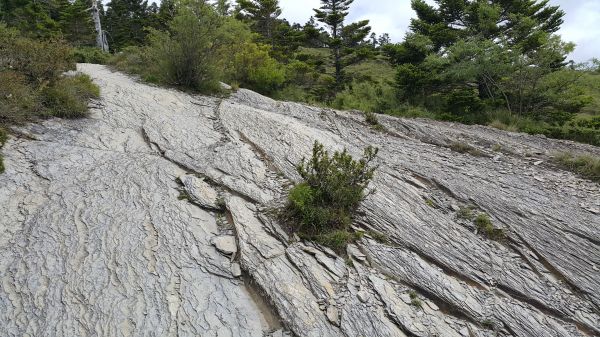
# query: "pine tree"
[[263, 18], [125, 21], [76, 23], [37, 19], [343, 41], [262, 15], [314, 37], [223, 7]]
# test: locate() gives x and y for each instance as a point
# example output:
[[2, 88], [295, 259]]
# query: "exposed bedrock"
[[152, 218]]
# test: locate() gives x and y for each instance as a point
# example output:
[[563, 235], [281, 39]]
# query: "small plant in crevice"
[[184, 195], [489, 324], [322, 206], [462, 147], [465, 213], [484, 225], [371, 119], [430, 203], [379, 237], [414, 299], [220, 202]]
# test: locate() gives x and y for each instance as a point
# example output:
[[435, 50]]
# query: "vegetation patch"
[[379, 237], [414, 299], [32, 84], [322, 206], [69, 96], [484, 225], [466, 213], [586, 166], [87, 54], [462, 147]]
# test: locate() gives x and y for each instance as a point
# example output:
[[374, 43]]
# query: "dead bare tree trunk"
[[101, 40]]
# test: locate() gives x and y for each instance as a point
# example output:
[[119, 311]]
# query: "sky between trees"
[[582, 22]]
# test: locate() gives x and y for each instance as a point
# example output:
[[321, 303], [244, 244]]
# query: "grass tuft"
[[462, 147], [485, 226], [586, 166]]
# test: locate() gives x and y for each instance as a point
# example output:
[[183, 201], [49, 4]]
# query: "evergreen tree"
[[262, 15], [125, 21], [223, 7], [514, 23], [33, 18], [263, 18], [473, 54], [314, 36], [384, 40], [76, 23], [343, 41]]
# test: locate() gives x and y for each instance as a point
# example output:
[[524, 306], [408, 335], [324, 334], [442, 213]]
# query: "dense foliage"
[[495, 62], [332, 188]]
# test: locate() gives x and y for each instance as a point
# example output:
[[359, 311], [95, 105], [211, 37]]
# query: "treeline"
[[494, 62]]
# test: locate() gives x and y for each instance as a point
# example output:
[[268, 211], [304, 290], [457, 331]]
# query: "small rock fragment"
[[225, 244], [363, 296], [200, 192], [333, 315], [236, 270]]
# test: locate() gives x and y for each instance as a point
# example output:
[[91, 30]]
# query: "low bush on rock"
[[69, 96], [201, 48], [32, 80], [322, 206], [90, 55]]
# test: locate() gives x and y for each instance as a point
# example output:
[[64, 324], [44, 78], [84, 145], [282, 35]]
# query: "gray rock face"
[[95, 241]]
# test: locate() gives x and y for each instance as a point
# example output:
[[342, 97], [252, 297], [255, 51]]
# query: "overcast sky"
[[582, 22]]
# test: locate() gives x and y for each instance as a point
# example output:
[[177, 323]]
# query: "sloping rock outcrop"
[[114, 226]]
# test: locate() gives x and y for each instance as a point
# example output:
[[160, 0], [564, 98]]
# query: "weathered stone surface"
[[95, 241], [200, 192], [225, 244]]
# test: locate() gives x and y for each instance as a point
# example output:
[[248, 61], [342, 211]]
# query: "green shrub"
[[255, 69], [69, 96], [465, 213], [337, 239], [39, 61], [371, 119], [323, 204], [31, 81], [19, 101], [90, 55], [1, 164], [586, 166]]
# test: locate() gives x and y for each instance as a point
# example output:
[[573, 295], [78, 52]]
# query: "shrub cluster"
[[322, 205], [32, 83], [90, 55], [201, 48]]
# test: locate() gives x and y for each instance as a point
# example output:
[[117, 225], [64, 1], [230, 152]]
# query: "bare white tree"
[[101, 40]]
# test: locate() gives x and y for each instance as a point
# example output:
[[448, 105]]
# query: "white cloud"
[[581, 26]]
